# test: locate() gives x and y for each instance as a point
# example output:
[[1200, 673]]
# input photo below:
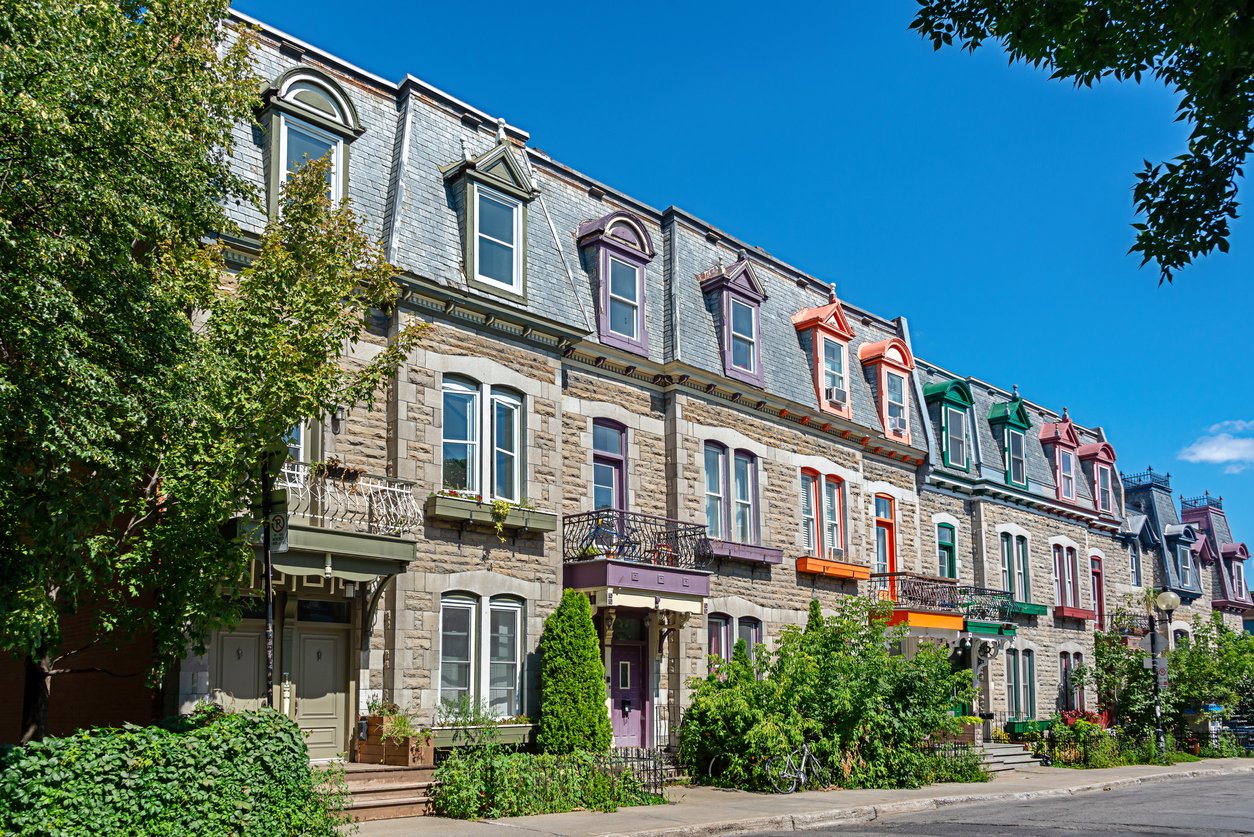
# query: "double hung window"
[[955, 437], [1066, 474], [715, 491], [1016, 458], [1066, 576], [744, 335], [745, 497], [1021, 684], [302, 143], [609, 465], [750, 630], [833, 513], [822, 510], [834, 371], [1007, 563], [731, 494], [946, 551], [1023, 573], [468, 463], [718, 629], [1134, 563], [1105, 496], [481, 652], [1184, 564], [1071, 696], [498, 235], [896, 402], [885, 527], [624, 299], [810, 512]]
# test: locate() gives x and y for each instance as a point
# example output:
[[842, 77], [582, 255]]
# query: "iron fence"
[[1202, 502], [1150, 477], [985, 604], [632, 536], [646, 764], [916, 591], [326, 494]]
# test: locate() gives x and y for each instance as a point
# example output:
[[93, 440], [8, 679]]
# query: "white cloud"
[[1231, 426], [1236, 453]]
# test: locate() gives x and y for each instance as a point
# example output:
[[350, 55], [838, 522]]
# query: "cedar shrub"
[[573, 717]]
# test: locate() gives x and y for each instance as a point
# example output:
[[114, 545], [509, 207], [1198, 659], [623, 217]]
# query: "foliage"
[[1214, 667], [955, 765], [500, 511], [210, 773], [1124, 686], [572, 681], [133, 426], [1198, 50], [477, 783], [865, 710]]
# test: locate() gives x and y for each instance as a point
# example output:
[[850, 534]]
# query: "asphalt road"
[[1216, 806]]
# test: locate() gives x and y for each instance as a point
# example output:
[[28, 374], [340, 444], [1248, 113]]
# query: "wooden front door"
[[320, 689]]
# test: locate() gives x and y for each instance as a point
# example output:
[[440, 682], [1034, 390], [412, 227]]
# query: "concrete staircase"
[[999, 757], [380, 792]]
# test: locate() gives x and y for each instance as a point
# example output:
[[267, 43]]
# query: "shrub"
[[572, 681], [210, 773], [961, 765]]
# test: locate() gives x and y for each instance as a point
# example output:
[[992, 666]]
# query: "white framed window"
[[956, 437], [715, 480], [300, 142], [810, 512], [493, 467], [745, 497], [457, 643], [833, 513], [744, 335], [296, 439], [896, 401], [1023, 573], [504, 640], [1066, 473], [1238, 579], [1066, 576], [1016, 460], [1007, 563], [481, 652], [498, 239], [834, 354], [1105, 497], [1184, 564], [1134, 563], [624, 299]]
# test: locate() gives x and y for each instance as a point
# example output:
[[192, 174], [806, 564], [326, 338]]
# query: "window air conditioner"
[[835, 395], [897, 424]]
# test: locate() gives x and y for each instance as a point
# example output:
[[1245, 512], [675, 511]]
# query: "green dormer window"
[[954, 403], [1011, 420], [1016, 458]]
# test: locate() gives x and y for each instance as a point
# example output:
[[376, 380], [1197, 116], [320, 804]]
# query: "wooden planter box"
[[472, 513], [511, 734], [408, 752], [1020, 727]]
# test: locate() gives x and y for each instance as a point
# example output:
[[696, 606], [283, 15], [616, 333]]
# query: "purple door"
[[627, 695]]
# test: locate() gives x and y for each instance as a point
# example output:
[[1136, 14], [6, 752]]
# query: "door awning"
[[330, 565], [627, 597]]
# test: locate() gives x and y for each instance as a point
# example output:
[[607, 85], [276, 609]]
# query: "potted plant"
[[392, 738]]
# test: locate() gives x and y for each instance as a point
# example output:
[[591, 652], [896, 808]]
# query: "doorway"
[[319, 676], [627, 710]]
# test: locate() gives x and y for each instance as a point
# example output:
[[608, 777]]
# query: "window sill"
[[835, 569], [475, 513], [1069, 612], [748, 553]]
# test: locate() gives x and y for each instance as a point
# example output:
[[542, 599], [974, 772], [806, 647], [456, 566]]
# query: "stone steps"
[[1001, 757], [380, 793]]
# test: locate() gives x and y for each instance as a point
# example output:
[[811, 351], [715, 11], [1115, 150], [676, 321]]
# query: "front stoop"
[[1001, 757], [380, 792]]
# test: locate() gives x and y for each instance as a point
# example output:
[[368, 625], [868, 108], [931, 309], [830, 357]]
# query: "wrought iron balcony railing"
[[632, 536], [910, 590], [1202, 502], [985, 604], [1149, 477], [361, 503]]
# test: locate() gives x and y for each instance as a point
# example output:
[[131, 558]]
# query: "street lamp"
[[1167, 602]]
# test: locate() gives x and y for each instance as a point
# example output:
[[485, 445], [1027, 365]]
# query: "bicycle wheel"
[[816, 773], [781, 774], [718, 766]]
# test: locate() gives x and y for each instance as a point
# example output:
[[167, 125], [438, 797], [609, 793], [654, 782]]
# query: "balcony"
[[349, 501], [987, 610], [628, 559], [920, 601], [1202, 502]]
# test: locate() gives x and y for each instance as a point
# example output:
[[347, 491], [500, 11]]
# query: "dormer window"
[[1105, 495], [307, 117], [620, 249], [493, 190], [1184, 564], [891, 363], [1011, 420], [1016, 458], [1098, 460], [952, 401], [956, 437], [734, 294], [824, 334], [1066, 474]]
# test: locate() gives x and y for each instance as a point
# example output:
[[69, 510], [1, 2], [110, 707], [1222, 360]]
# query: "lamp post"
[[1167, 602]]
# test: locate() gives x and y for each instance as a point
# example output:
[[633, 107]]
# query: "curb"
[[867, 813]]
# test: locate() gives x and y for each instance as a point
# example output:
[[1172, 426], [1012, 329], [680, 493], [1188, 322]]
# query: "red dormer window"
[[1060, 438], [828, 334], [892, 363], [1099, 460]]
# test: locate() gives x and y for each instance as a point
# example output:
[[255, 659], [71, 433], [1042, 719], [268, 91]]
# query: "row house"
[[631, 403]]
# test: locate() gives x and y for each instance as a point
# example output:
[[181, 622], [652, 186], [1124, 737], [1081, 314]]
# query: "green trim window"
[[1007, 563], [1020, 684], [1023, 573], [946, 551], [1016, 457], [1013, 420], [956, 437], [954, 402]]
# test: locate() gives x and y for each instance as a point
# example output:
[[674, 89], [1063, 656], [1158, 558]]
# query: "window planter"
[[510, 734], [835, 569], [411, 751], [471, 512], [748, 553], [1069, 612], [1021, 727], [1028, 609]]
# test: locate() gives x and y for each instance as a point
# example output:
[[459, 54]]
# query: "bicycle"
[[799, 767], [607, 539]]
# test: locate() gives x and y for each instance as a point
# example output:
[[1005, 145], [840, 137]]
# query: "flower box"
[[1021, 727], [411, 751], [471, 512], [510, 734]]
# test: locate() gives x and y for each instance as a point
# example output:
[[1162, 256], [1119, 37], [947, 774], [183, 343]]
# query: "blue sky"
[[985, 202]]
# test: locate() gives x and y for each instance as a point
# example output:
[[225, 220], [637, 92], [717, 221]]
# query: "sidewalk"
[[697, 811]]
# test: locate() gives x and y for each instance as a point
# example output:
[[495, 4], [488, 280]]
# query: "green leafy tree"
[[1214, 666], [137, 388], [1201, 51], [572, 681]]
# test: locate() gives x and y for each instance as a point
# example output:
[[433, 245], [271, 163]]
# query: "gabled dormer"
[[1010, 423], [952, 400], [1098, 461], [735, 294], [1059, 440], [825, 333], [1220, 552], [1183, 572], [889, 364], [493, 190], [619, 248]]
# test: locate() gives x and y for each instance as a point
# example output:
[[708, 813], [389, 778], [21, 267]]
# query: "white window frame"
[[479, 689], [750, 501], [1238, 579], [842, 357], [715, 524], [1011, 434], [458, 602], [474, 442], [612, 297], [961, 438], [833, 524], [509, 400], [890, 404], [1066, 474], [1007, 544], [287, 123], [517, 608], [1134, 563], [810, 512], [1184, 564], [733, 335], [1105, 493], [478, 190], [482, 465], [1023, 568]]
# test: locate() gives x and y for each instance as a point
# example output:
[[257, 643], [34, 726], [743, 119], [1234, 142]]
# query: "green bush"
[[210, 773], [572, 681], [487, 782], [965, 765], [866, 711]]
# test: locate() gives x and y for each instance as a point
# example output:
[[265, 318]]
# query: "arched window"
[[489, 467], [718, 632], [481, 651], [458, 614], [461, 435], [609, 465], [731, 494]]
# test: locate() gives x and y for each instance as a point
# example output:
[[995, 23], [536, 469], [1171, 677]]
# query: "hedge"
[[572, 681], [209, 773]]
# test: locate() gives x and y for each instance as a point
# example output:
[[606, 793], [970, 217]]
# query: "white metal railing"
[[364, 503]]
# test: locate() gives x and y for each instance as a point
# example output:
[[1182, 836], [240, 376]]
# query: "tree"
[[572, 681], [136, 388], [1202, 51], [1213, 667]]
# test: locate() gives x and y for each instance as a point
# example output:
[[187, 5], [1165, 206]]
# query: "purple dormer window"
[[622, 249], [739, 295]]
